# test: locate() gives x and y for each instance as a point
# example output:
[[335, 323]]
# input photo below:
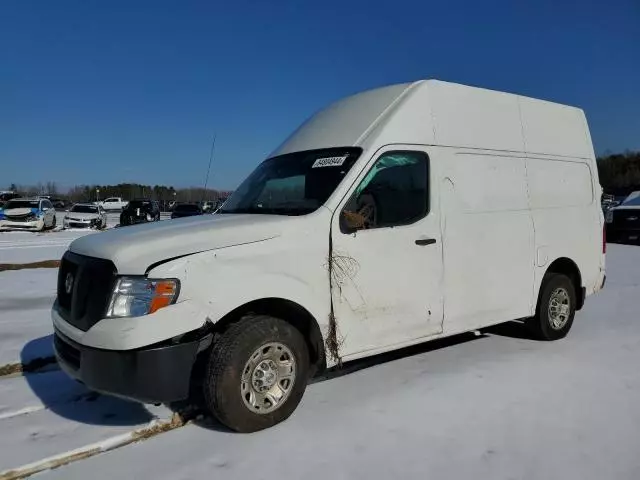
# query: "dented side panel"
[[385, 288], [213, 283]]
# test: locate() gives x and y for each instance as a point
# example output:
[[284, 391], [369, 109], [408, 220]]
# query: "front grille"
[[67, 352], [91, 282]]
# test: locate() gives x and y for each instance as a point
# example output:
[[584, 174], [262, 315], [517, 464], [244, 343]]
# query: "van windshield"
[[292, 184]]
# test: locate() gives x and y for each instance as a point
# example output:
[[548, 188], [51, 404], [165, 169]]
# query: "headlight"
[[137, 296]]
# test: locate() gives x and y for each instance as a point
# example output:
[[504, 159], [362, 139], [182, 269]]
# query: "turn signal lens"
[[163, 295]]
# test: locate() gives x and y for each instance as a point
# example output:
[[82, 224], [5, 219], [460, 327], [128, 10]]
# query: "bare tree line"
[[128, 191], [620, 172]]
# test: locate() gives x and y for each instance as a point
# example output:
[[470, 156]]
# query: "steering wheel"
[[367, 210]]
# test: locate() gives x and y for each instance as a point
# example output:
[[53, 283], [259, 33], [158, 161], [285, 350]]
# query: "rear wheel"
[[556, 308], [257, 373]]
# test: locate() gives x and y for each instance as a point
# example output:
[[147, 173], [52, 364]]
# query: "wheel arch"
[[292, 313], [568, 267]]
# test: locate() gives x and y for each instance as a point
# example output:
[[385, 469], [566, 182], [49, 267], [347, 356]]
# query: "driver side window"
[[394, 192]]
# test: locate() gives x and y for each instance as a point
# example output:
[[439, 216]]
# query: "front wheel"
[[257, 373], [556, 308]]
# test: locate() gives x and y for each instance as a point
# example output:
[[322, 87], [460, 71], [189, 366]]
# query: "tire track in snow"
[[42, 406], [22, 411], [152, 429], [37, 365]]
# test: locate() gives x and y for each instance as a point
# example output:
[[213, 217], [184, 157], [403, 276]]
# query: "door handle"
[[425, 241]]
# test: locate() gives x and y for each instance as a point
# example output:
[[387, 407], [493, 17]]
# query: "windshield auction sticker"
[[329, 162]]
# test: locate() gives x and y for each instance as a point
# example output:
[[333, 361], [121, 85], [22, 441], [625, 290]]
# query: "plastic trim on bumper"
[[155, 374], [10, 224]]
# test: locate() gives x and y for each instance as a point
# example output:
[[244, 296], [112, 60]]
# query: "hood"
[[133, 249], [20, 212], [81, 216]]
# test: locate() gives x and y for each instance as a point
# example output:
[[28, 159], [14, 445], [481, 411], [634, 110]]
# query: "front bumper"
[[7, 224], [155, 374], [76, 224]]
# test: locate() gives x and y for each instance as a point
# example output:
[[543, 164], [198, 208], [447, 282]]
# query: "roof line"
[[397, 100]]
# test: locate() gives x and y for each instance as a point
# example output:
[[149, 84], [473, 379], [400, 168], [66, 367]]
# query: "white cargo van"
[[395, 216]]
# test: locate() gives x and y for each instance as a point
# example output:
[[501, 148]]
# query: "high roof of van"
[[432, 112]]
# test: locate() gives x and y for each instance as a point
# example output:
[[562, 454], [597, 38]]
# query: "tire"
[[228, 397], [53, 224], [555, 290]]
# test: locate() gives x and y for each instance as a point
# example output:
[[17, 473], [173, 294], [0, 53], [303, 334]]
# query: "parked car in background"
[[6, 196], [186, 210], [140, 210], [85, 215], [58, 203], [113, 203], [28, 214], [623, 221]]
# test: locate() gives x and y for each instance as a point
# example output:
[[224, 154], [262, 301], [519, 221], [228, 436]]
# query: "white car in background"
[[113, 203], [85, 215], [28, 214]]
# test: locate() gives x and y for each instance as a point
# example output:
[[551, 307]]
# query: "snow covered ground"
[[25, 247], [25, 322], [495, 406]]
